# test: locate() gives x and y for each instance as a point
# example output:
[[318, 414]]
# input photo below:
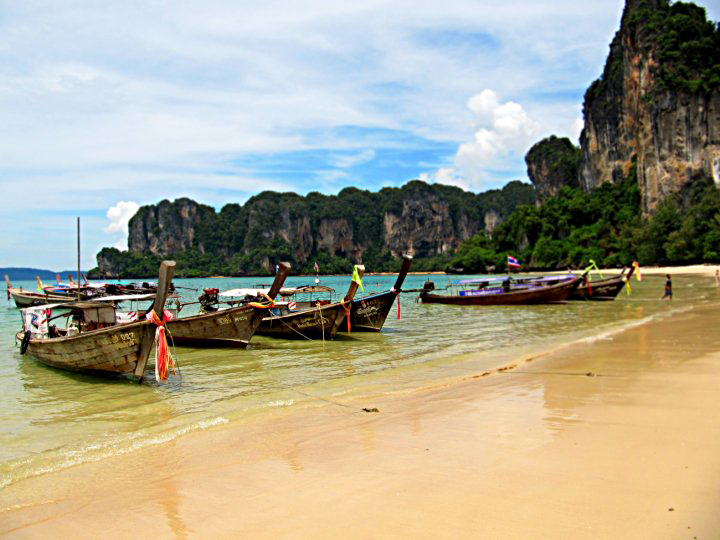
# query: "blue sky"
[[106, 106]]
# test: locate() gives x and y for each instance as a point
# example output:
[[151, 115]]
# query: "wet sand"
[[611, 438]]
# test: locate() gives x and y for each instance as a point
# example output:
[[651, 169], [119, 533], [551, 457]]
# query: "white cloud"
[[119, 216], [448, 176], [576, 129], [502, 128], [345, 162], [132, 101], [502, 131]]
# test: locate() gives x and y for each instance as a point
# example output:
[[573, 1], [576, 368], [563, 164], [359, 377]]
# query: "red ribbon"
[[398, 301], [163, 358], [347, 312]]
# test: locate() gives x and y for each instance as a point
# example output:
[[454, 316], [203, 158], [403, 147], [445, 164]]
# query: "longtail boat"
[[23, 298], [230, 327], [93, 342], [311, 320], [368, 314], [505, 294], [602, 289]]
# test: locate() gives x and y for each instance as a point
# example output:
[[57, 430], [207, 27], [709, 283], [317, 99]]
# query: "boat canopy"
[[487, 279], [312, 289], [36, 318], [127, 297], [285, 291], [245, 292], [492, 279]]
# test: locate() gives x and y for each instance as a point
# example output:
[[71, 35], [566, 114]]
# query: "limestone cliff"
[[356, 225], [167, 227], [658, 101], [552, 163]]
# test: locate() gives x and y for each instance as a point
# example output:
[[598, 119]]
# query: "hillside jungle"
[[568, 230]]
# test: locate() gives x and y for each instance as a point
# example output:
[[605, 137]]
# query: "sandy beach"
[[611, 437]]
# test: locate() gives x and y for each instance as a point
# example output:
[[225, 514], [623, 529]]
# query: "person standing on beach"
[[668, 288], [717, 278]]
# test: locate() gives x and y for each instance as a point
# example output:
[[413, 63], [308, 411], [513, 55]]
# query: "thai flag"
[[513, 262]]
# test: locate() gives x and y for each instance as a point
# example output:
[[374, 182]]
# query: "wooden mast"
[[282, 273], [354, 285], [167, 271], [78, 251], [407, 261]]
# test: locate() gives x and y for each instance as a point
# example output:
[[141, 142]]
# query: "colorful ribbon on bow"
[[628, 288], [638, 274], [392, 289], [356, 278], [260, 305], [594, 266], [163, 358], [347, 312]]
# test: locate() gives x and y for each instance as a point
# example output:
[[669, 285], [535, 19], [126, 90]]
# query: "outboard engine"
[[209, 300], [428, 286]]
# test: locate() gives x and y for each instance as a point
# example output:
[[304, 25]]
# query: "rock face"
[[552, 163], [167, 227], [420, 219], [425, 228], [655, 103]]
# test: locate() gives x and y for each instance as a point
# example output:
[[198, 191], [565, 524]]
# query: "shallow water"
[[52, 419]]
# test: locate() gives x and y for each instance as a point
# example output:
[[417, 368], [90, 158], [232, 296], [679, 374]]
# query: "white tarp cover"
[[245, 292]]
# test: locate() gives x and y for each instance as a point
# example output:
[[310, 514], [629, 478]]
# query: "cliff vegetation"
[[375, 228]]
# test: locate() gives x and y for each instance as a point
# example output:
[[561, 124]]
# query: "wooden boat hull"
[[320, 322], [369, 314], [601, 290], [28, 299], [535, 295], [109, 351], [231, 327]]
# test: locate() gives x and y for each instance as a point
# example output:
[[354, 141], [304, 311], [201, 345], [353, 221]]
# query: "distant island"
[[643, 185], [22, 274]]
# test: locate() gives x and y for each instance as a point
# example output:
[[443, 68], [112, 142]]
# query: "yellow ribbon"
[[595, 267], [356, 278], [263, 306]]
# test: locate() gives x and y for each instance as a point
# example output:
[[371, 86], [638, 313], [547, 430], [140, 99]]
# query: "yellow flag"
[[356, 278]]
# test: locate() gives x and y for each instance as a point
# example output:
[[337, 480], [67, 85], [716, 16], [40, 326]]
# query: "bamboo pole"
[[78, 252]]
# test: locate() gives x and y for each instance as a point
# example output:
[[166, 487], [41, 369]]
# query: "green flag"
[[356, 278]]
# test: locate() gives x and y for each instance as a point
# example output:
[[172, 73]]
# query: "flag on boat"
[[316, 267], [512, 262], [292, 305]]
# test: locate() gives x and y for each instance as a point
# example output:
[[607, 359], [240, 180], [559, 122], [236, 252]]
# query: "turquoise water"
[[52, 419]]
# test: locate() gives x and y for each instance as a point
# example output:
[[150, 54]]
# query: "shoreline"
[[707, 269], [592, 439]]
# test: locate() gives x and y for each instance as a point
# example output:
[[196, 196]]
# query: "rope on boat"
[[273, 316], [322, 325]]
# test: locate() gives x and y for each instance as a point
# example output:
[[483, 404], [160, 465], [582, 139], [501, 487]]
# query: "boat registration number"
[[127, 339]]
